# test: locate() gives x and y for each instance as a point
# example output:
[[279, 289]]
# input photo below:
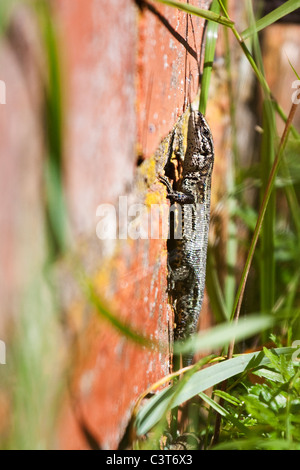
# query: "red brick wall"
[[129, 75]]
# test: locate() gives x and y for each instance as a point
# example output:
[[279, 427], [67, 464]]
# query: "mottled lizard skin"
[[189, 227]]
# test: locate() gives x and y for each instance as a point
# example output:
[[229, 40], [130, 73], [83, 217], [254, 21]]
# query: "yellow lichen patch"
[[153, 198], [148, 170], [184, 129], [164, 149]]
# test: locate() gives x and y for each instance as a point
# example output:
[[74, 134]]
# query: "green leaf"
[[200, 381], [222, 335], [273, 358], [275, 15], [191, 9], [269, 374], [260, 411], [258, 443], [226, 396], [219, 409]]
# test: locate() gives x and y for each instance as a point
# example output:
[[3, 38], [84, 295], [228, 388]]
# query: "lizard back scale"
[[189, 227]]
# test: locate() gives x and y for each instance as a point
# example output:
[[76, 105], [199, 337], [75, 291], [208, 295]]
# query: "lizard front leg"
[[176, 196]]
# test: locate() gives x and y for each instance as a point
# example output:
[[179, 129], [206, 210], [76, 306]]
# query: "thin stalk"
[[270, 184], [267, 260], [231, 248], [291, 197], [259, 75], [193, 10], [267, 241]]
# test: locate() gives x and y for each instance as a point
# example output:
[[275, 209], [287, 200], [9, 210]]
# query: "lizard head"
[[199, 133], [200, 150]]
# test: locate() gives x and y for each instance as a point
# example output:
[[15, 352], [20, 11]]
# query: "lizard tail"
[[187, 360]]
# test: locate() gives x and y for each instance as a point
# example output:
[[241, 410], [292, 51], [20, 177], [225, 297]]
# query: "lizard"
[[189, 218]]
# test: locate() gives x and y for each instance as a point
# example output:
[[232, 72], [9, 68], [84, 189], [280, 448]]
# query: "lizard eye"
[[205, 131]]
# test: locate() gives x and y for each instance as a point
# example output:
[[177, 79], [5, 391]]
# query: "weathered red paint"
[[128, 79], [169, 62]]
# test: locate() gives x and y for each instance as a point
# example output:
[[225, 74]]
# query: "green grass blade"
[[227, 397], [275, 15], [212, 281], [267, 237], [200, 381], [214, 289], [231, 249], [191, 9], [264, 205], [269, 137], [294, 70], [267, 156], [210, 47], [222, 335], [56, 213]]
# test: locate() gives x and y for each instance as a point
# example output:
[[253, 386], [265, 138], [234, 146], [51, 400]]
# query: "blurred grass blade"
[[105, 313], [214, 289], [6, 8], [55, 206], [210, 47], [267, 236], [294, 70], [200, 381], [191, 9], [55, 209], [264, 205], [269, 138], [222, 335], [275, 15]]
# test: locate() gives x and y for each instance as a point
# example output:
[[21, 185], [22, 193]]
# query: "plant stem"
[[257, 72], [269, 187]]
